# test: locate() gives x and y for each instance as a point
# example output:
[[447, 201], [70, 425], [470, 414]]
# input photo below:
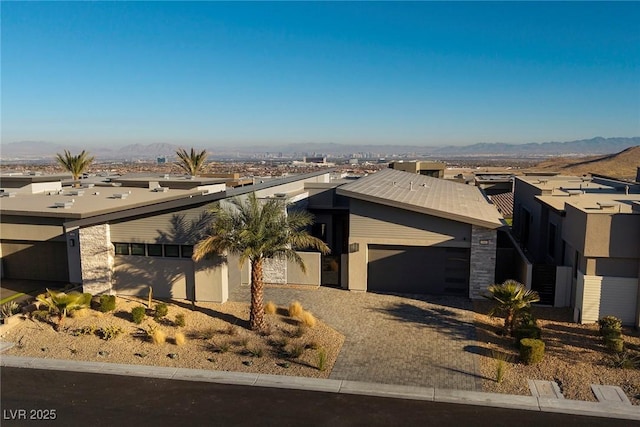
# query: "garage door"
[[35, 261], [421, 270]]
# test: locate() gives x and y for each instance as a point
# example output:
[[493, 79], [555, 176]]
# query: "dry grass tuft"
[[295, 309], [308, 319], [270, 308], [180, 338], [158, 336], [80, 313]]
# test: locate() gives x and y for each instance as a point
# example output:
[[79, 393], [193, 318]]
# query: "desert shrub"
[[614, 344], [625, 360], [611, 334], [40, 315], [85, 330], [223, 347], [231, 330], [531, 351], [295, 309], [501, 359], [526, 332], [525, 319], [107, 303], [270, 308], [296, 351], [609, 323], [9, 309], [79, 313], [110, 332], [161, 310], [180, 338], [157, 336], [244, 342], [180, 320], [321, 359], [255, 351], [308, 319], [138, 314], [206, 333]]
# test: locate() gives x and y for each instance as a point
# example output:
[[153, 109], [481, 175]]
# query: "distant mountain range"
[[38, 150]]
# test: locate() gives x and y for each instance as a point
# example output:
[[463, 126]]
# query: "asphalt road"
[[80, 399]]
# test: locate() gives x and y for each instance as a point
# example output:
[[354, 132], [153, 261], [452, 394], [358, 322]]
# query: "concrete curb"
[[530, 403]]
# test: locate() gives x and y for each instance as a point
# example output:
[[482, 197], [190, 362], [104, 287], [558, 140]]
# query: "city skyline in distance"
[[105, 74]]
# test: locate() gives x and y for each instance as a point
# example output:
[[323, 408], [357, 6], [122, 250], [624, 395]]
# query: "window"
[[121, 248], [187, 251], [154, 250], [172, 251], [137, 249]]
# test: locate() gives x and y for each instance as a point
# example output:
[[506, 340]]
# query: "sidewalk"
[[431, 394]]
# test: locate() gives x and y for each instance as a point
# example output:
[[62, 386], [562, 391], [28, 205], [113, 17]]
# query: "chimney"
[[638, 174]]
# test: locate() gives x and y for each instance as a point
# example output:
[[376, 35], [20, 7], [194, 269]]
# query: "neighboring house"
[[581, 236], [128, 234], [433, 169], [411, 233]]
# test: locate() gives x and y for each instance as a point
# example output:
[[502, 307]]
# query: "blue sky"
[[224, 74]]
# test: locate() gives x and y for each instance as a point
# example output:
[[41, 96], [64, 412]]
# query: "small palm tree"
[[511, 298], [76, 165], [61, 303], [257, 231], [192, 163]]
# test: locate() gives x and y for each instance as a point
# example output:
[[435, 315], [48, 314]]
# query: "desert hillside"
[[620, 165]]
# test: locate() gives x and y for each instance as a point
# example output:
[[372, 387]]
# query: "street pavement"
[[84, 399]]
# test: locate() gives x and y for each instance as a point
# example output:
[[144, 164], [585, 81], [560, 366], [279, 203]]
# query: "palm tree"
[[76, 165], [257, 231], [192, 163], [511, 298], [61, 303]]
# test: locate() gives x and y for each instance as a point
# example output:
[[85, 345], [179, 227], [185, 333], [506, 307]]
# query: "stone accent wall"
[[275, 270], [483, 260], [96, 259]]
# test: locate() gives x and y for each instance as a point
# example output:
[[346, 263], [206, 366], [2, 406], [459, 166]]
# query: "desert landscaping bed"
[[575, 356], [216, 337]]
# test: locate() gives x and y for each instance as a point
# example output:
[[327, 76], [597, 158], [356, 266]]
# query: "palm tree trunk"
[[256, 317]]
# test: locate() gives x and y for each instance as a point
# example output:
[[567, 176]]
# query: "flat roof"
[[593, 202], [107, 204], [94, 201], [424, 194]]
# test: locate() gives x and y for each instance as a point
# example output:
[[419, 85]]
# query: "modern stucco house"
[[582, 234], [127, 234], [391, 231]]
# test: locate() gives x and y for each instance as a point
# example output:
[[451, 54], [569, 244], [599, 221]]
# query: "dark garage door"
[[419, 270], [35, 261]]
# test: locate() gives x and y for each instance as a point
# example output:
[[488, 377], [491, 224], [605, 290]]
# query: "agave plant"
[[61, 303], [9, 309], [511, 298]]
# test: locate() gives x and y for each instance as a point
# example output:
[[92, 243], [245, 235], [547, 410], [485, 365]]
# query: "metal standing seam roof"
[[419, 193]]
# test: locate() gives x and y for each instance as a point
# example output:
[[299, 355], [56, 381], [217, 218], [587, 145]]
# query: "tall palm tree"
[[256, 231], [76, 165], [192, 163], [511, 298]]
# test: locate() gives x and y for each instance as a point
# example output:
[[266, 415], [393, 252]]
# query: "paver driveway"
[[410, 339]]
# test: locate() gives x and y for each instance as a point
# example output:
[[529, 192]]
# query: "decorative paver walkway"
[[413, 340]]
